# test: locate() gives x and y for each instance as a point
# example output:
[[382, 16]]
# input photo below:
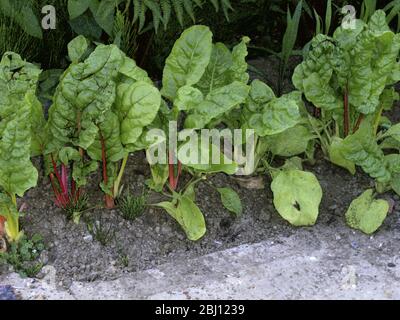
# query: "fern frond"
[[177, 4], [137, 5], [166, 12], [162, 10], [156, 12], [226, 5], [198, 3], [188, 5], [142, 15], [215, 4]]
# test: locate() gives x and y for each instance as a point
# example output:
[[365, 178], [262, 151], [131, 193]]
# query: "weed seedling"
[[131, 206], [74, 209], [100, 231]]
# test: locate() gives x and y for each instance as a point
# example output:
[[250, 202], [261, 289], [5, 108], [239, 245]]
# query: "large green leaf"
[[17, 174], [275, 117], [188, 60], [188, 215], [85, 93], [205, 157], [367, 214], [81, 110], [136, 106], [77, 7], [105, 15], [361, 148], [217, 102], [77, 48], [336, 157], [297, 196], [393, 132], [225, 67], [357, 62], [290, 142], [20, 114]]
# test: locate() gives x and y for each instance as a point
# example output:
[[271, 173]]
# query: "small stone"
[[391, 265], [333, 207], [44, 257], [337, 237], [88, 238]]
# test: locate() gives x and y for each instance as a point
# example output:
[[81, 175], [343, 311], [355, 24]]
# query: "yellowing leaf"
[[367, 214], [297, 195]]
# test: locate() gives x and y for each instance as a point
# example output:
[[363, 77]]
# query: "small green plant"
[[74, 210], [100, 231], [288, 42], [131, 206], [24, 255], [123, 258]]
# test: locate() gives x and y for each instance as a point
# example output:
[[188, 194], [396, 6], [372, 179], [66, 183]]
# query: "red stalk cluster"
[[59, 183], [174, 179], [109, 200]]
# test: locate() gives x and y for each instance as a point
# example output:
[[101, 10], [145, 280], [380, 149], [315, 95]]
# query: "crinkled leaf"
[[239, 66], [17, 174], [361, 148], [85, 93], [68, 154], [393, 132], [188, 98], [276, 116], [77, 48], [216, 103], [217, 73]]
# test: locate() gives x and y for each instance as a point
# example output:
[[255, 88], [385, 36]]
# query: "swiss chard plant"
[[20, 114], [100, 110], [125, 126], [85, 93], [282, 129], [202, 82], [349, 78]]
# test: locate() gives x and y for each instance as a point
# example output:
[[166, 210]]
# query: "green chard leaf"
[[188, 215], [188, 60], [268, 115], [361, 148], [297, 196], [366, 214], [231, 200]]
